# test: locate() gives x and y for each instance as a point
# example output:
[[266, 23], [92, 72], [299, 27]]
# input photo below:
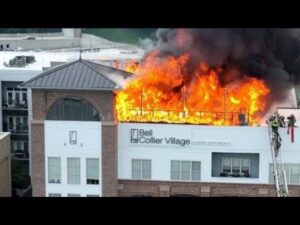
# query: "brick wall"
[[43, 100], [127, 188], [37, 159], [109, 159]]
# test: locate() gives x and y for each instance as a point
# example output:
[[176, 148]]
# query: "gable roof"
[[80, 74]]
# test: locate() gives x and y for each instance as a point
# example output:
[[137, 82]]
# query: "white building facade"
[[73, 158], [193, 153]]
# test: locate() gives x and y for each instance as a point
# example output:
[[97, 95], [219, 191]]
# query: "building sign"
[[142, 136], [164, 138]]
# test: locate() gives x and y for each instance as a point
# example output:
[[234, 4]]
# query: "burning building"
[[212, 76], [186, 120]]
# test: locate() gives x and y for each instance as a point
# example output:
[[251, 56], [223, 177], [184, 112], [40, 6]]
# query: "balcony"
[[14, 105], [22, 129], [19, 129]]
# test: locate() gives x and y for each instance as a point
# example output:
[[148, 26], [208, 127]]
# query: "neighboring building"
[[15, 102], [67, 39], [79, 148], [15, 116], [5, 165]]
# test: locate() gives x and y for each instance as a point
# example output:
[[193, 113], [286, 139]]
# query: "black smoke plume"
[[269, 54]]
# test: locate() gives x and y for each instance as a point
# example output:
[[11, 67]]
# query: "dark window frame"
[[58, 110]]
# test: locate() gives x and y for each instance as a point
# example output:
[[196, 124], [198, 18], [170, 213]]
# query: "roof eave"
[[80, 89]]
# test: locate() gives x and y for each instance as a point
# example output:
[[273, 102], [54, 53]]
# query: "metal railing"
[[14, 105], [203, 117]]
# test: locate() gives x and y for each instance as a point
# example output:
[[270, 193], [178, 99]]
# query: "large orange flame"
[[161, 93]]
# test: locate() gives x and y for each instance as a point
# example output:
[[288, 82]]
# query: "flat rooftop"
[[3, 135], [44, 58], [41, 37]]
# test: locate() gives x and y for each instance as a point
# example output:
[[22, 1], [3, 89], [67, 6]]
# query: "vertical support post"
[[183, 101], [225, 105], [141, 103]]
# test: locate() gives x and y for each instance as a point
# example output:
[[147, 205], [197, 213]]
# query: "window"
[[226, 165], [92, 196], [196, 170], [10, 98], [19, 145], [292, 172], [18, 124], [89, 112], [73, 195], [25, 144], [54, 195], [245, 167], [73, 170], [175, 170], [72, 109], [25, 124], [7, 45], [92, 171], [17, 98], [10, 123], [235, 167], [54, 170], [185, 170], [141, 169], [24, 96]]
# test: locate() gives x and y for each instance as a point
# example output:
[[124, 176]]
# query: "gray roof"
[[80, 74]]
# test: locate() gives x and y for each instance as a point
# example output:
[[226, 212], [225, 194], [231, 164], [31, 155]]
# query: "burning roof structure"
[[211, 76]]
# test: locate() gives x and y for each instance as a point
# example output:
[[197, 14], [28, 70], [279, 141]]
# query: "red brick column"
[[109, 159], [38, 159]]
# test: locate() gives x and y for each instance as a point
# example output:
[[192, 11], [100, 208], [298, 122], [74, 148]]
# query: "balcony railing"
[[21, 129], [14, 105], [199, 117]]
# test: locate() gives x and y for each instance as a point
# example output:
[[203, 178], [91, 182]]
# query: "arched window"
[[72, 109]]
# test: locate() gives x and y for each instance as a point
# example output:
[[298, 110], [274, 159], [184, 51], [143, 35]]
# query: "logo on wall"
[[143, 136], [73, 137], [134, 135]]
